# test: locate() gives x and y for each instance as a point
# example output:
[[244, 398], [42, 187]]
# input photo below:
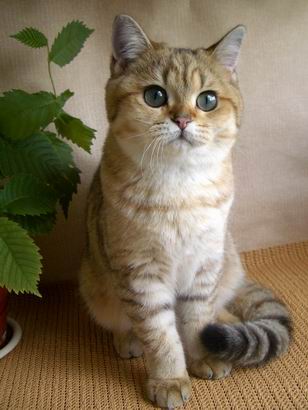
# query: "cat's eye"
[[207, 101], [155, 96]]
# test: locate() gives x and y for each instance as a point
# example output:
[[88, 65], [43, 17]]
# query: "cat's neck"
[[166, 183], [200, 165]]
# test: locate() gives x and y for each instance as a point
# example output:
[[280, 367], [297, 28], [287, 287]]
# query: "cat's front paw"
[[169, 393], [210, 368]]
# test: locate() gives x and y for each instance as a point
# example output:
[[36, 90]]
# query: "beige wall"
[[271, 159]]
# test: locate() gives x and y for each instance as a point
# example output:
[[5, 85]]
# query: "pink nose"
[[182, 122]]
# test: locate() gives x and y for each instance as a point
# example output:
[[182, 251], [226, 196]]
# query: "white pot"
[[15, 338]]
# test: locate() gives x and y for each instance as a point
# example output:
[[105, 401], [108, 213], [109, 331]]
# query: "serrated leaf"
[[63, 97], [69, 42], [35, 225], [44, 156], [64, 153], [75, 130], [22, 114], [31, 37], [24, 194], [20, 261]]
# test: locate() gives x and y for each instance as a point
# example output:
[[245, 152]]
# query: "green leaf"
[[44, 156], [63, 97], [20, 260], [75, 130], [22, 114], [69, 42], [36, 225], [24, 194], [31, 37], [64, 153]]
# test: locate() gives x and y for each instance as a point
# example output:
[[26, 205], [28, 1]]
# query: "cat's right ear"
[[128, 40]]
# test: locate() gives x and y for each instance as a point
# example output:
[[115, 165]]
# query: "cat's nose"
[[182, 122]]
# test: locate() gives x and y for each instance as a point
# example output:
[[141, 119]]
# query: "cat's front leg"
[[195, 309], [149, 303]]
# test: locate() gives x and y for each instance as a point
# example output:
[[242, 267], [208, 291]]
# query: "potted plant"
[[37, 170]]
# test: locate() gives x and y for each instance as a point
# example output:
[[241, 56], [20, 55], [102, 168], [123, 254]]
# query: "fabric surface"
[[271, 163], [66, 362]]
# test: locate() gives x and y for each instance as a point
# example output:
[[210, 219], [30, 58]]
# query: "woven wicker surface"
[[66, 362]]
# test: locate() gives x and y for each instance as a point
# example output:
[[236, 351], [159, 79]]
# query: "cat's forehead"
[[185, 69], [179, 68]]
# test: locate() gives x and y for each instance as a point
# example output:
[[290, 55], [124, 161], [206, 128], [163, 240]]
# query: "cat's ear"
[[128, 39], [227, 50]]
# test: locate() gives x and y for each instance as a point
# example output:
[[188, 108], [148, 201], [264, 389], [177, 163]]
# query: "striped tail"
[[263, 333]]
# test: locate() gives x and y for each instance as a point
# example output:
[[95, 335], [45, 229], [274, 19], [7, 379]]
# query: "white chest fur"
[[202, 244], [181, 211]]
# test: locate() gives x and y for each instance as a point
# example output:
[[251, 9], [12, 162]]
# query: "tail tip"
[[214, 338]]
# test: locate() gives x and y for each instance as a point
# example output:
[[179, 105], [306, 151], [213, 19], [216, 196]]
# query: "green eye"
[[155, 96], [207, 101]]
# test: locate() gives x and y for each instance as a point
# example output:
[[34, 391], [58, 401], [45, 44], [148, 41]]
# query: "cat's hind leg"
[[107, 311]]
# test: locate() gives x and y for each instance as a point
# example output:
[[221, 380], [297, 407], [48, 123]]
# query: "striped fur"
[[160, 263], [263, 333]]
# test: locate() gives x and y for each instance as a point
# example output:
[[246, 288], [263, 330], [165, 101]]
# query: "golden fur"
[[161, 266]]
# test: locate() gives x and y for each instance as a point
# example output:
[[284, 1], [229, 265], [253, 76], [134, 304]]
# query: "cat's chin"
[[181, 140], [180, 146]]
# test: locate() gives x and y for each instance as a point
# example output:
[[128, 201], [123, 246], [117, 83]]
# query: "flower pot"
[[10, 331]]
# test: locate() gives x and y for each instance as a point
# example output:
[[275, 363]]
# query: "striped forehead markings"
[[183, 76]]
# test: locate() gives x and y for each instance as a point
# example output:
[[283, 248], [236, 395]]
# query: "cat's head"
[[172, 103]]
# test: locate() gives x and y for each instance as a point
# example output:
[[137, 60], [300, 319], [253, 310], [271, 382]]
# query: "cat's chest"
[[201, 245], [192, 231], [185, 218], [178, 209]]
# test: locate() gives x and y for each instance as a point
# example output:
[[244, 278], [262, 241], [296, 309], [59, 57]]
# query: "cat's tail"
[[263, 332]]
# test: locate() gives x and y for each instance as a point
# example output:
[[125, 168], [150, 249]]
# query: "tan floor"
[[66, 362]]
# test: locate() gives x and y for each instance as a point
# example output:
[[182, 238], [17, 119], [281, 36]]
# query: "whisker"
[[143, 122], [150, 123], [137, 135], [162, 153], [143, 155], [153, 150], [205, 126], [161, 150], [157, 154], [150, 129]]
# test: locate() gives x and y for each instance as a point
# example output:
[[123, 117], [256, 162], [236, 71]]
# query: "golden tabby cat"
[[161, 271]]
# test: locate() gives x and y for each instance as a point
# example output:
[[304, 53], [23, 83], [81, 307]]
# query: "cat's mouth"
[[181, 138]]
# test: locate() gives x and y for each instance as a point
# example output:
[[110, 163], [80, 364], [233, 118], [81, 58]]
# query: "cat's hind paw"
[[210, 368], [127, 345]]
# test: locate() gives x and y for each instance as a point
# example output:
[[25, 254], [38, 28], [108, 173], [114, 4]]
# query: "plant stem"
[[49, 72]]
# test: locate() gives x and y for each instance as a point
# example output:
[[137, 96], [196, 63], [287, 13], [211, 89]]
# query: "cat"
[[161, 271]]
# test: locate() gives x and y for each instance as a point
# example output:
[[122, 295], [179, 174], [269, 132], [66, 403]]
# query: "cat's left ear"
[[128, 39], [227, 51]]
